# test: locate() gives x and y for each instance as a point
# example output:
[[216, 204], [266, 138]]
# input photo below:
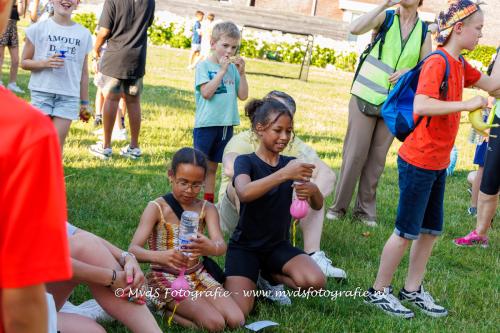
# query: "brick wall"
[[297, 6]]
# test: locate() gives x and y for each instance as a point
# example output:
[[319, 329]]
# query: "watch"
[[124, 255]]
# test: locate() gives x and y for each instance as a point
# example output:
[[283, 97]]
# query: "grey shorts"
[[228, 214], [132, 87], [55, 105]]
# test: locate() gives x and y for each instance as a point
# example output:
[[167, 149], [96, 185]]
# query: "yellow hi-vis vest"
[[371, 83]]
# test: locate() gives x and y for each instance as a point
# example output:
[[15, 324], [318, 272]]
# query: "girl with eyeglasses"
[[159, 227]]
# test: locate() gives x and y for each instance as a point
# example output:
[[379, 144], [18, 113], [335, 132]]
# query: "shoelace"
[[427, 297], [394, 302], [323, 257]]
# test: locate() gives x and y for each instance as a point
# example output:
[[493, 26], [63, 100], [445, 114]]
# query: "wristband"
[[124, 255], [113, 279], [84, 102]]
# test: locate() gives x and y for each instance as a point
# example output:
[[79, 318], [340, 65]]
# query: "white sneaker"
[[274, 293], [129, 152], [333, 215], [90, 309], [15, 88], [326, 266], [98, 150]]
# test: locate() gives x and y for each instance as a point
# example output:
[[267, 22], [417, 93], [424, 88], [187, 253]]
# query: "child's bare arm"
[[100, 39], [208, 89], [24, 309], [248, 190], [169, 258], [29, 64], [424, 105], [310, 192], [84, 82], [243, 88]]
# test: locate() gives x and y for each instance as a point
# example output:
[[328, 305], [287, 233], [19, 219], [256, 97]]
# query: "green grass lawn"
[[108, 197]]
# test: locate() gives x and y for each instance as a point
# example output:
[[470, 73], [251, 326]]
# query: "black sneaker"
[[387, 302], [424, 301]]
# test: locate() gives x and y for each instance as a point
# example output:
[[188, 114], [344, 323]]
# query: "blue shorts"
[[421, 201], [480, 154], [212, 141], [55, 105]]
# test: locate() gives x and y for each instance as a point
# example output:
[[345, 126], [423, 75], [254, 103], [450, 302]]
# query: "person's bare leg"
[[475, 187], [109, 108], [73, 323], [235, 285], [486, 210], [301, 271], [420, 253], [14, 63], [210, 177], [62, 126], [227, 307], [390, 259], [134, 118]]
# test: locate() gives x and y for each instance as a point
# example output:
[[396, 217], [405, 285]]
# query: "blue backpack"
[[397, 110]]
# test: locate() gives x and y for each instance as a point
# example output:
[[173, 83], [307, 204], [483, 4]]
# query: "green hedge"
[[284, 52]]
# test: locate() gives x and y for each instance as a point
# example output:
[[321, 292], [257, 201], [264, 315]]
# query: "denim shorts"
[[132, 87], [421, 201], [55, 105], [212, 141]]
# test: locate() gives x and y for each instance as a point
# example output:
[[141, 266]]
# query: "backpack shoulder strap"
[[174, 204], [443, 89], [389, 19]]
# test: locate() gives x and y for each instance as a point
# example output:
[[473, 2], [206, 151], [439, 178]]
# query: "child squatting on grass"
[[56, 54], [423, 159], [264, 184], [220, 81], [159, 227]]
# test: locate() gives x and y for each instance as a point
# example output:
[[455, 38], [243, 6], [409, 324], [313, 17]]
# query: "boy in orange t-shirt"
[[424, 157]]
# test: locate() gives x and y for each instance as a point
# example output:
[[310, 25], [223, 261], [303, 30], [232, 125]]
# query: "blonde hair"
[[226, 28]]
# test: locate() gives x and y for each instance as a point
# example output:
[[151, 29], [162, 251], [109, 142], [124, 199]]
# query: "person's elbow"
[[24, 65], [243, 96], [419, 105], [228, 170]]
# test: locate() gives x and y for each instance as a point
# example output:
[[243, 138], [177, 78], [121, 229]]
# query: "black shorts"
[[248, 263], [490, 183]]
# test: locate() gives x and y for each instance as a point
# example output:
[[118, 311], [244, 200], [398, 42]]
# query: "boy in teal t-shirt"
[[219, 81]]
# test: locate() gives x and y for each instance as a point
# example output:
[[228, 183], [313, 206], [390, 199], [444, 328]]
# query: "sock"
[[209, 197]]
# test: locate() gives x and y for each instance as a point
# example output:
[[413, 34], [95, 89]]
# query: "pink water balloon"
[[299, 209], [179, 289]]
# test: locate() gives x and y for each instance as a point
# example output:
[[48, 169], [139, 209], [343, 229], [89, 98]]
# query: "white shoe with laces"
[[424, 301], [273, 293], [90, 309], [326, 266], [132, 153], [387, 302]]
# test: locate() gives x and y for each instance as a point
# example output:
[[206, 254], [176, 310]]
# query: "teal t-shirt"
[[222, 108]]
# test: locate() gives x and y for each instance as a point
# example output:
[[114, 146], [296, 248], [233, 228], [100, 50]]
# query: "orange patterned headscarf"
[[456, 12]]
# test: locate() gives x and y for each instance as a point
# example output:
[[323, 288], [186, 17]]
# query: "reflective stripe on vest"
[[372, 82]]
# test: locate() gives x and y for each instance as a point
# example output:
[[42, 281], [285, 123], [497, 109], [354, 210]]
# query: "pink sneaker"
[[472, 239]]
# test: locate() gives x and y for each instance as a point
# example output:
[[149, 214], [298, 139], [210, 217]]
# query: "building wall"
[[297, 6]]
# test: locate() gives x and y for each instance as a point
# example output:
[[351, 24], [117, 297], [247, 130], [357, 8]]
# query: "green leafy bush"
[[159, 34], [88, 20], [481, 53]]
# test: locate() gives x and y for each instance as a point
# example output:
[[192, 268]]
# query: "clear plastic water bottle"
[[474, 136], [188, 228]]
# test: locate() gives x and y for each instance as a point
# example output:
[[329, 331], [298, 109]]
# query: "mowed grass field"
[[108, 197]]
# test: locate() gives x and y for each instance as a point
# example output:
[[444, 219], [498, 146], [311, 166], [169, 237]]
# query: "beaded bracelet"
[[113, 279]]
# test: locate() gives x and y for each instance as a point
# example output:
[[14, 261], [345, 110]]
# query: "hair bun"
[[252, 107]]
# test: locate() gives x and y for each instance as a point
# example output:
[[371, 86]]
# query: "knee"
[[83, 243], [314, 281], [235, 319], [14, 63]]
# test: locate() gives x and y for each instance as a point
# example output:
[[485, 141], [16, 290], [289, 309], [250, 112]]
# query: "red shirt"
[[33, 242], [429, 147]]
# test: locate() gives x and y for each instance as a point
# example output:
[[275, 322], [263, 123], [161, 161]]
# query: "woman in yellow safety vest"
[[401, 41]]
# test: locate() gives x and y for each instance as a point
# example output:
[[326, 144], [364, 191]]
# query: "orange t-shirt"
[[429, 147], [33, 242]]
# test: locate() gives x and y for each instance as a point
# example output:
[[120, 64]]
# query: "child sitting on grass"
[[263, 181], [424, 157], [159, 227]]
